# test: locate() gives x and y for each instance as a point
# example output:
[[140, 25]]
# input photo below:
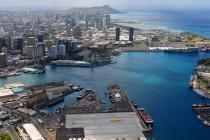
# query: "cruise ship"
[[72, 63]]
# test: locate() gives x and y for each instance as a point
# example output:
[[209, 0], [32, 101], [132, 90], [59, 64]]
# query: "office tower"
[[69, 47], [117, 34], [131, 32], [62, 51], [4, 50], [18, 43], [3, 43], [108, 20], [61, 41], [30, 52], [31, 41], [53, 52], [39, 50], [3, 60], [77, 33]]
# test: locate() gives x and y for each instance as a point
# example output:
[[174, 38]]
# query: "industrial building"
[[105, 126]]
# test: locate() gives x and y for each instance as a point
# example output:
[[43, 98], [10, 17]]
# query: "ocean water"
[[194, 21], [156, 81]]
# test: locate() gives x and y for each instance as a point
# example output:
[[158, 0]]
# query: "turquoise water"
[[156, 81], [194, 21]]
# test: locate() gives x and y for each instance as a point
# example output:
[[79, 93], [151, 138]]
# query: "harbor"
[[144, 91]]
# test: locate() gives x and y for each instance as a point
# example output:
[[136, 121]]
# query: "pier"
[[122, 103]]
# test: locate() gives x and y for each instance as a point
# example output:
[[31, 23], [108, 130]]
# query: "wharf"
[[90, 103], [122, 103]]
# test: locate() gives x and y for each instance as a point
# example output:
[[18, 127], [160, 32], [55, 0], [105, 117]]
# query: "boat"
[[54, 98], [3, 75], [72, 63], [182, 50], [146, 118]]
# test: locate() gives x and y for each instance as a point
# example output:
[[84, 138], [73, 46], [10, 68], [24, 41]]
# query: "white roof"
[[32, 132], [5, 92]]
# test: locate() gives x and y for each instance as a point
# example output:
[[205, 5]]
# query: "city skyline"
[[119, 4]]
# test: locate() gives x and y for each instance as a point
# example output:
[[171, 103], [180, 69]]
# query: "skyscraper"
[[18, 43], [2, 42], [117, 34], [3, 60], [131, 31]]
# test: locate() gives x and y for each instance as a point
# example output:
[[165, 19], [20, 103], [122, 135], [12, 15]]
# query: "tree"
[[5, 136]]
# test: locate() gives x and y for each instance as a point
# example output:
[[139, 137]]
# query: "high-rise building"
[[53, 52], [3, 60], [18, 43], [77, 33], [108, 20], [69, 45], [61, 41], [40, 37], [3, 42], [131, 32], [4, 50], [31, 41], [117, 38], [30, 52], [39, 50], [62, 51]]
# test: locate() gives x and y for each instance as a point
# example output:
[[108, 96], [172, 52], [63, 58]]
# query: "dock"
[[122, 103]]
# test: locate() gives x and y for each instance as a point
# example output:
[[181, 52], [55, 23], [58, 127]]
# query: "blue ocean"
[[156, 81], [194, 21]]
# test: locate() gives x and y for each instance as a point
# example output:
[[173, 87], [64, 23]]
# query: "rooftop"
[[106, 126]]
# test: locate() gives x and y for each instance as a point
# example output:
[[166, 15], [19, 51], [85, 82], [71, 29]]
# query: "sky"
[[119, 4]]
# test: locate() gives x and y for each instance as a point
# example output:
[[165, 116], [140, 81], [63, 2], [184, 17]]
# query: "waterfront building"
[[131, 32], [117, 37], [39, 50], [62, 51], [53, 52], [3, 60]]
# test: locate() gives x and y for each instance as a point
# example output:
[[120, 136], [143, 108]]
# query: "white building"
[[62, 50], [53, 52], [32, 132]]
